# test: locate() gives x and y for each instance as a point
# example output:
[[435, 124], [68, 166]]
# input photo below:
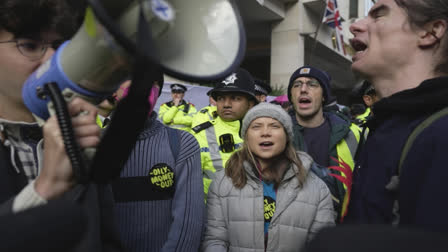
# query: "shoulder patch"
[[203, 111], [202, 126], [161, 177]]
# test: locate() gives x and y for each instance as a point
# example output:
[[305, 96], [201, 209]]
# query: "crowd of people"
[[241, 174]]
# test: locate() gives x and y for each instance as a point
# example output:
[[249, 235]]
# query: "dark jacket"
[[11, 181], [95, 231], [423, 179]]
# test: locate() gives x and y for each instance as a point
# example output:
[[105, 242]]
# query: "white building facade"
[[283, 35]]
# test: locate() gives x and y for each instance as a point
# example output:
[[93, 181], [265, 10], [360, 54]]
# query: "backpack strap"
[[173, 137], [362, 139], [394, 183], [426, 123]]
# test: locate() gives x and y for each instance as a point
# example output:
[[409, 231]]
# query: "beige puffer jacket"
[[235, 220]]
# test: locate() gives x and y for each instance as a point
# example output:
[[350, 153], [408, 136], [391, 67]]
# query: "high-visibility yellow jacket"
[[207, 113], [212, 157], [346, 150], [343, 144], [179, 117], [100, 121], [363, 117]]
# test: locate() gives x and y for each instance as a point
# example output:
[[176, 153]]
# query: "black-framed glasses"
[[311, 84], [33, 49]]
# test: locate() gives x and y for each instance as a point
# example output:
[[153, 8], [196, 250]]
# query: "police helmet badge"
[[230, 80]]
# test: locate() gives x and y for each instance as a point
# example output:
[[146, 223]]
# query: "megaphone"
[[194, 40]]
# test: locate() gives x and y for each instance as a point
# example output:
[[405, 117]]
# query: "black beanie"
[[319, 75]]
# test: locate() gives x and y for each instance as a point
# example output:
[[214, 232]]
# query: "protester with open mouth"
[[329, 137], [265, 199], [400, 177]]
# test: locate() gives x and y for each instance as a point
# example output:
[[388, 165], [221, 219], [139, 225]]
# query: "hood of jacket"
[[429, 97]]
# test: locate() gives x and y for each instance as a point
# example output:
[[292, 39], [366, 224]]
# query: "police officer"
[[177, 113], [262, 90], [219, 138], [206, 113], [369, 97]]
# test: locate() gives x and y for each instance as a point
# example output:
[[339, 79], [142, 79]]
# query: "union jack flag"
[[333, 19]]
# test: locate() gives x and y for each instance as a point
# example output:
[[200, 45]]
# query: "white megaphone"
[[194, 40]]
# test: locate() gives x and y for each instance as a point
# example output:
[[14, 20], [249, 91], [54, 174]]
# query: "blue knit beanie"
[[319, 75]]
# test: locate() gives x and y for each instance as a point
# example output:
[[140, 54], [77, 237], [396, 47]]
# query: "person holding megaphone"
[[34, 166], [117, 39]]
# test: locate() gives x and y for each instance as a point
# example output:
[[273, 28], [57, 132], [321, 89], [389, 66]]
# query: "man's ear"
[[367, 100], [432, 33]]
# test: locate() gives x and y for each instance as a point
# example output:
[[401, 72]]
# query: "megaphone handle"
[[71, 146]]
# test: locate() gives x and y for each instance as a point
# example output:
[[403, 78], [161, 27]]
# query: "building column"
[[287, 47]]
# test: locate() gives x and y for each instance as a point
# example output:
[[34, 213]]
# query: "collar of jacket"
[[21, 130], [152, 126], [232, 126], [339, 127], [253, 177], [429, 97], [171, 103]]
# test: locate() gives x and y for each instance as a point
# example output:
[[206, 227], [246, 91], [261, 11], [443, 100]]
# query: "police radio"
[[226, 143]]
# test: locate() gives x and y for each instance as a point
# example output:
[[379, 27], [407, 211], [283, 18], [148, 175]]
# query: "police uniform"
[[262, 87], [361, 120], [205, 114], [219, 139], [181, 116]]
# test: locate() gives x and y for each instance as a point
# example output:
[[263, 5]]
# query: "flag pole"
[[315, 37]]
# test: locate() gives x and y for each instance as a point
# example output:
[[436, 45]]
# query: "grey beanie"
[[265, 109]]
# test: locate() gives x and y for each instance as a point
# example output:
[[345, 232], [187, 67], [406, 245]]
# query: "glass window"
[[368, 4], [353, 13]]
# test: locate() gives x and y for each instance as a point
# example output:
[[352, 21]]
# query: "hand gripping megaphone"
[[194, 40]]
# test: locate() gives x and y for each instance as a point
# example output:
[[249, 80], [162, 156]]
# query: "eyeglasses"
[[33, 49], [313, 84]]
